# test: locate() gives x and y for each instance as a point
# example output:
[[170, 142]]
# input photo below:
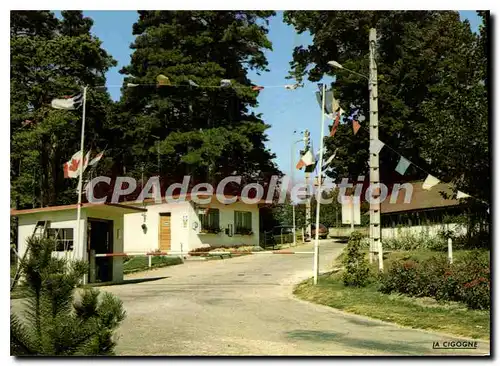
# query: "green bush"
[[467, 280], [411, 241], [356, 270]]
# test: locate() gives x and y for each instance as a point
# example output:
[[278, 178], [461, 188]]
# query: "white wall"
[[186, 234], [429, 230], [58, 220]]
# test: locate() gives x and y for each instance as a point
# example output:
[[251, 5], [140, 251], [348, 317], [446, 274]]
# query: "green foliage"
[[51, 58], [467, 280], [208, 133], [56, 320], [138, 263], [356, 270], [432, 90], [406, 240]]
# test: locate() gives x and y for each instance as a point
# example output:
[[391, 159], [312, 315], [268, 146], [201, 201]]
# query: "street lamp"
[[339, 66]]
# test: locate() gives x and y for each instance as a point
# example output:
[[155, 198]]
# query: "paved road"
[[244, 306]]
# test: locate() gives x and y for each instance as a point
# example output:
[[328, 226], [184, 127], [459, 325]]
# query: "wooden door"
[[164, 231]]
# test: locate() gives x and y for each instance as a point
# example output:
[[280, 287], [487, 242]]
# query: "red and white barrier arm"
[[198, 254]]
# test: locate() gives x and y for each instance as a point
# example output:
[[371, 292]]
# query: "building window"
[[210, 220], [243, 222], [63, 239]]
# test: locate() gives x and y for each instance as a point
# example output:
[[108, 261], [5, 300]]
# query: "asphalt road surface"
[[245, 306]]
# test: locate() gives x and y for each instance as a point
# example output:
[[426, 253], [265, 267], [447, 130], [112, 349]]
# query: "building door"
[[164, 231], [100, 237]]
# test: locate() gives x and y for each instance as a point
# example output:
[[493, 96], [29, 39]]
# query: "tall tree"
[[432, 98], [51, 58], [206, 131]]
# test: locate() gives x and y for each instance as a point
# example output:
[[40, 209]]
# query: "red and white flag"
[[306, 160], [71, 167]]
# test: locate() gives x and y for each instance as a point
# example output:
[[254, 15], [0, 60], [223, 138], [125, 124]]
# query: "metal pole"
[[352, 213], [375, 241], [292, 167], [450, 251], [318, 193], [79, 242]]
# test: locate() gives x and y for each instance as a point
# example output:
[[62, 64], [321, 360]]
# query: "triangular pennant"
[[163, 80], [96, 158], [355, 126], [430, 182], [461, 195], [330, 159], [376, 146], [402, 165], [192, 83], [257, 88], [291, 86], [132, 85], [335, 125]]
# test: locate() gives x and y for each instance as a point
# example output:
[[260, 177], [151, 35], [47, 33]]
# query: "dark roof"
[[122, 207], [420, 199]]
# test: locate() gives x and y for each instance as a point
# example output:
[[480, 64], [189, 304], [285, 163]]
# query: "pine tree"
[[206, 132], [51, 58], [58, 320]]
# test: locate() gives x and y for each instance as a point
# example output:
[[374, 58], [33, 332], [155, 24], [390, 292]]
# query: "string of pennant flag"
[[334, 111]]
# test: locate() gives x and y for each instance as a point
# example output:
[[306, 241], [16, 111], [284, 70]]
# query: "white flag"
[[330, 159], [430, 182], [96, 158], [71, 167], [376, 146], [462, 195], [67, 103]]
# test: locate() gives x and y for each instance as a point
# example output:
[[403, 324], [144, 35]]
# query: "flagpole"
[[318, 193], [80, 177]]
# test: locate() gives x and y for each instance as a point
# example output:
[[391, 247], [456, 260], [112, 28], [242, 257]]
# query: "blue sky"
[[286, 111]]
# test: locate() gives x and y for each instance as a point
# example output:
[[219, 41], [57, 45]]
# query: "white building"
[[101, 228], [179, 227]]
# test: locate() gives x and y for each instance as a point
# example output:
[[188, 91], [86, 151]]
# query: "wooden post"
[[450, 251], [149, 261]]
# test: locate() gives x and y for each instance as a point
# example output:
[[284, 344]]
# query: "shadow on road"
[[373, 345], [129, 281]]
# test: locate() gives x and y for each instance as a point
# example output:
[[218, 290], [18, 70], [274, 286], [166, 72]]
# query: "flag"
[[163, 80], [376, 146], [257, 88], [192, 83], [335, 125], [430, 182], [86, 160], [402, 165], [132, 85], [306, 160], [355, 126], [69, 103], [330, 159], [96, 158], [331, 104], [71, 167], [291, 86], [462, 195], [225, 83], [318, 152]]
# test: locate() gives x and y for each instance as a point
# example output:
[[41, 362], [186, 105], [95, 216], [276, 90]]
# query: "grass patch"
[[137, 264], [421, 313]]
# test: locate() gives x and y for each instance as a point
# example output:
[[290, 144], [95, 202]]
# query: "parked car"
[[323, 231]]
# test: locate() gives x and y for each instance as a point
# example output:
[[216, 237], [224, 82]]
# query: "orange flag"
[[355, 126], [335, 125]]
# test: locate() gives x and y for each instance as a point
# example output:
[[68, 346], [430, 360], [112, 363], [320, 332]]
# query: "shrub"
[[356, 270], [411, 241], [467, 280]]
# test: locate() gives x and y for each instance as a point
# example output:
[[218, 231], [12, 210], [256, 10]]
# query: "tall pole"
[[80, 178], [292, 167], [307, 176], [375, 242], [318, 192], [158, 150]]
